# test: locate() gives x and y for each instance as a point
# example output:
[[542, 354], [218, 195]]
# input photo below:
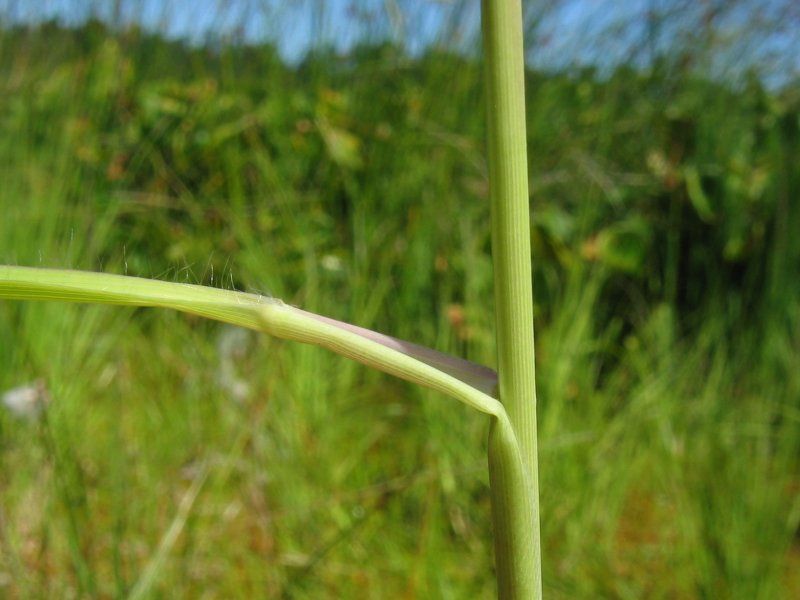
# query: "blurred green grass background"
[[179, 458]]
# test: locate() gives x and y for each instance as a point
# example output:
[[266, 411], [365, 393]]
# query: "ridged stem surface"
[[515, 505]]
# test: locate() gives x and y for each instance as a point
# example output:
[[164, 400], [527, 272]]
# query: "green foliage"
[[666, 293], [681, 193]]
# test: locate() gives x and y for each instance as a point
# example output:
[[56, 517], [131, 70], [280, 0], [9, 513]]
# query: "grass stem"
[[515, 505]]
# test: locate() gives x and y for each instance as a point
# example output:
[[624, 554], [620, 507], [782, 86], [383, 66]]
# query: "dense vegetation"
[[665, 210]]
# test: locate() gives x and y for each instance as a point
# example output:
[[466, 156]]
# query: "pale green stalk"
[[452, 376], [515, 500]]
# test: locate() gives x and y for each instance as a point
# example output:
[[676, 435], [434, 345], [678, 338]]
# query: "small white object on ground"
[[27, 401]]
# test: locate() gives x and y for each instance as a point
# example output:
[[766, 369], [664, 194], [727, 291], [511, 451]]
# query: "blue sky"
[[293, 24], [600, 32]]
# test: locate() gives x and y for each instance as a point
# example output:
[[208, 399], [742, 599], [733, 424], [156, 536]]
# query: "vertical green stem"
[[515, 504]]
